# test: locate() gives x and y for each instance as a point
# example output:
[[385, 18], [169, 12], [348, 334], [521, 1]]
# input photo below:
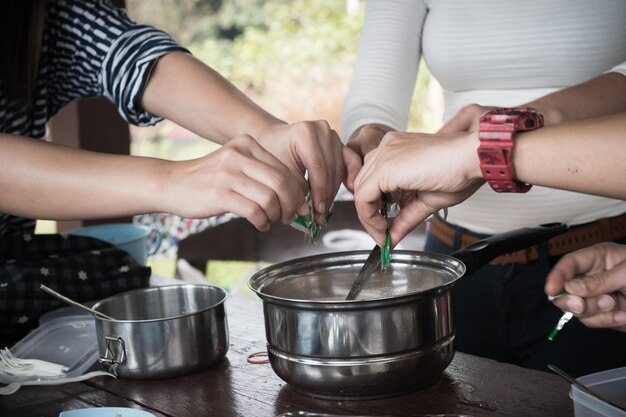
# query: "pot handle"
[[482, 252], [113, 355]]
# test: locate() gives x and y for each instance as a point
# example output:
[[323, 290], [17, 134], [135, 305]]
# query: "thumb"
[[408, 219], [598, 284], [353, 164]]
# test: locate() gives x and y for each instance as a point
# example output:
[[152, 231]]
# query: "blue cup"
[[139, 241]]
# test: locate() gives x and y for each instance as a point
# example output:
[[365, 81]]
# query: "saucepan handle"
[[482, 252]]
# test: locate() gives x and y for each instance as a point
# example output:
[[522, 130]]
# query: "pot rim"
[[158, 288], [259, 278]]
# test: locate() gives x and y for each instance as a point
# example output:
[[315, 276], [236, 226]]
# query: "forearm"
[[191, 94], [387, 63], [584, 156], [600, 96], [47, 181]]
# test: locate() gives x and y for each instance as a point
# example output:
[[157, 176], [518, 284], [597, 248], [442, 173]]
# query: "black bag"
[[81, 268]]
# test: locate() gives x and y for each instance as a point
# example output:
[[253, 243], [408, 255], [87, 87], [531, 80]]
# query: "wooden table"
[[470, 385]]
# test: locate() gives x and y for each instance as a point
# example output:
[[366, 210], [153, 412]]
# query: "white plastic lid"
[[70, 341]]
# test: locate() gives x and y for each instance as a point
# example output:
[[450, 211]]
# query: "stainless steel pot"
[[162, 332], [395, 337]]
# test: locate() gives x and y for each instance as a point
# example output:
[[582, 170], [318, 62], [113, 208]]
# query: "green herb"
[[306, 223], [385, 252]]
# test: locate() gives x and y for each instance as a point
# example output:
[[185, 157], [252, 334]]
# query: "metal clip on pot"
[[113, 357]]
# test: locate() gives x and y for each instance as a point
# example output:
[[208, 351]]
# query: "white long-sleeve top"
[[491, 52]]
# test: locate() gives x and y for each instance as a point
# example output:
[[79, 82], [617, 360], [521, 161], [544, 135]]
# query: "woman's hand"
[[595, 280], [466, 120], [241, 177], [366, 138], [440, 171], [313, 146]]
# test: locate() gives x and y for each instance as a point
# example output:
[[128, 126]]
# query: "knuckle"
[[391, 137], [278, 179], [594, 282], [306, 129], [323, 124]]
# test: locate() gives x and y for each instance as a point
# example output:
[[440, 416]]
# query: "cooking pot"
[[162, 332], [396, 336]]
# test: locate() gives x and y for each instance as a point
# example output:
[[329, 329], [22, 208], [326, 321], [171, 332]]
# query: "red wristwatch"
[[495, 152]]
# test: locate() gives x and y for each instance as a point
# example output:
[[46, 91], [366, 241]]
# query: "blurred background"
[[294, 58]]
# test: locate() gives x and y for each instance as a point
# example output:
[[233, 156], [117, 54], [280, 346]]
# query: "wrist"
[[367, 137], [468, 142], [551, 116], [259, 127]]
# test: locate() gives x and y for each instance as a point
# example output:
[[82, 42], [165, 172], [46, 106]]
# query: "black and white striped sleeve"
[[126, 69], [97, 50]]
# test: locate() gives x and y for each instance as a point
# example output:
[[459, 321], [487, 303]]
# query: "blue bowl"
[[106, 412]]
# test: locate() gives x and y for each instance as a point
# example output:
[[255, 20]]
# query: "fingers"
[[458, 123], [568, 267], [597, 284], [312, 146], [595, 280], [408, 219], [317, 160], [367, 200], [613, 320], [584, 307], [367, 138], [595, 270], [253, 173], [353, 164], [602, 311], [371, 219], [248, 209], [465, 120]]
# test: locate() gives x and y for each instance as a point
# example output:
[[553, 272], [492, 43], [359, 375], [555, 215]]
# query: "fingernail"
[[606, 303], [321, 208], [574, 305], [620, 318], [304, 209], [576, 286]]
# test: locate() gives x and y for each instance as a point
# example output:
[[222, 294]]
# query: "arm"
[[191, 94], [385, 72], [188, 92], [600, 96], [43, 180], [443, 170], [584, 156]]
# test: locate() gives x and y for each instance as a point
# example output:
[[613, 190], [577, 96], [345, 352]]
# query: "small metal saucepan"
[[395, 337], [162, 332]]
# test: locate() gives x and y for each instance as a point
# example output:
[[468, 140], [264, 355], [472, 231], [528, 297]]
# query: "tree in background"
[[294, 58]]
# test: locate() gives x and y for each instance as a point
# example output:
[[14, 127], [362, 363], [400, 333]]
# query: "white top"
[[491, 52]]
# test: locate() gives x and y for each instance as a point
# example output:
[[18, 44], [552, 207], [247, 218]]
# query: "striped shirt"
[[90, 49]]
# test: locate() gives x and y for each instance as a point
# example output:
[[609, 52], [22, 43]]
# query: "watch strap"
[[496, 134]]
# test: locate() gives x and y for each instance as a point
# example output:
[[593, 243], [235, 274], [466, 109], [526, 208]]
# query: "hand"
[[366, 138], [466, 120], [316, 148], [241, 177], [440, 171], [595, 278]]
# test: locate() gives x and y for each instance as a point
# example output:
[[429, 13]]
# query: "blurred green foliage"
[[294, 58]]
